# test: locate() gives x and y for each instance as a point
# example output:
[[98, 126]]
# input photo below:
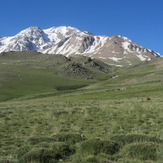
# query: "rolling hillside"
[[79, 110], [23, 73]]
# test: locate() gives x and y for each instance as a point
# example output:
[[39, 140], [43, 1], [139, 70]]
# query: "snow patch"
[[115, 59], [97, 44], [115, 52], [115, 65], [125, 52], [141, 57], [125, 45], [102, 57]]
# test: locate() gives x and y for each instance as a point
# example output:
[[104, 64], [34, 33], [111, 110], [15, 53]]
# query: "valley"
[[79, 110]]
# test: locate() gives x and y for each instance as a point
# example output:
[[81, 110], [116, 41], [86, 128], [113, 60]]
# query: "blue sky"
[[139, 20]]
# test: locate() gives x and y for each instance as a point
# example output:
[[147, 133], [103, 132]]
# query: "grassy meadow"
[[49, 116]]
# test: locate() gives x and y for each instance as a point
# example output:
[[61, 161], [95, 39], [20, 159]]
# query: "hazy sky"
[[139, 20]]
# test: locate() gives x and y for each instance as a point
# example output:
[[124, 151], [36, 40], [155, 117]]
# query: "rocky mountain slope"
[[70, 41], [62, 67]]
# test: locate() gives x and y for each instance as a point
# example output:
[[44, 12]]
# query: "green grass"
[[29, 73], [49, 118]]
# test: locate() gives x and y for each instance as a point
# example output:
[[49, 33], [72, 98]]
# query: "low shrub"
[[52, 153], [142, 151], [96, 146], [123, 139], [36, 140]]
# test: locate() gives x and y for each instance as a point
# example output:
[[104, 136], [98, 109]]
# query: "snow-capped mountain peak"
[[68, 41]]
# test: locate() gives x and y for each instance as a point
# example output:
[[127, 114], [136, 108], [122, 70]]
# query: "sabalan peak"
[[70, 41]]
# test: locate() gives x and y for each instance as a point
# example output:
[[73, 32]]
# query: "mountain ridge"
[[70, 41]]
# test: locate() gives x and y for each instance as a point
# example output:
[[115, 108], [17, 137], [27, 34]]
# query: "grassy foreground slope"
[[116, 120]]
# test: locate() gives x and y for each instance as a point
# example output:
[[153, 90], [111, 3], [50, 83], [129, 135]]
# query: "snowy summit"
[[70, 41]]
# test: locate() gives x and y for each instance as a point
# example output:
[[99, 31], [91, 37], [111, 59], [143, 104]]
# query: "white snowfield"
[[70, 41]]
